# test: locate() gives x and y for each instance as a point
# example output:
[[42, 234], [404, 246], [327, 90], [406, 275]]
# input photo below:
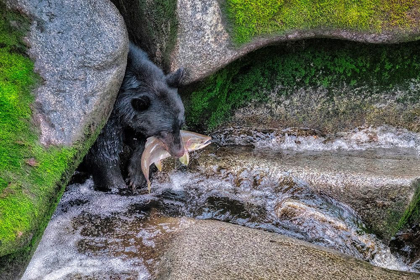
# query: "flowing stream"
[[129, 233]]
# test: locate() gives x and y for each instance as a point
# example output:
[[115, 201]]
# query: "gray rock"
[[80, 50], [216, 250], [204, 44]]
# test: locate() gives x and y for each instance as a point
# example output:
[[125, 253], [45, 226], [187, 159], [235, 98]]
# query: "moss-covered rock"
[[411, 216], [18, 139], [250, 19], [213, 33], [43, 108], [205, 36], [329, 85]]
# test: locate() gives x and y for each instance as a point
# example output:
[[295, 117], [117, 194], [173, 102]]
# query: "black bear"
[[147, 105]]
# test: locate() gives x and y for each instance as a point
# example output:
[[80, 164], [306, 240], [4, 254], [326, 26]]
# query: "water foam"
[[362, 138], [359, 139], [58, 255]]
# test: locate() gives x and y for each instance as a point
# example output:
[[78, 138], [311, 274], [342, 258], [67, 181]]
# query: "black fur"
[[147, 105]]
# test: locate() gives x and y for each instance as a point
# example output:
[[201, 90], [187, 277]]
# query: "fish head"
[[194, 141]]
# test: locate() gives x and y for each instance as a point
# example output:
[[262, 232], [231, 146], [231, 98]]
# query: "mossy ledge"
[[351, 77], [260, 18], [214, 33], [32, 177]]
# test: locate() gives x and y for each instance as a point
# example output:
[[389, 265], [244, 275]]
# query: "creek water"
[[96, 235]]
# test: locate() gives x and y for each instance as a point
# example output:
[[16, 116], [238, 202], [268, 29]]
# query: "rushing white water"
[[95, 235], [292, 139]]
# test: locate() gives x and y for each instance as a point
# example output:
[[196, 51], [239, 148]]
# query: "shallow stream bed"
[[280, 186]]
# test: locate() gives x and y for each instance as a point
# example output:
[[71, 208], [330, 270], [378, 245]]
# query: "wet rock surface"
[[95, 235], [334, 109], [215, 250], [290, 208]]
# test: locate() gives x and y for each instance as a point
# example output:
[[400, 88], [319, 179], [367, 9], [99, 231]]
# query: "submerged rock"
[[97, 235], [216, 250]]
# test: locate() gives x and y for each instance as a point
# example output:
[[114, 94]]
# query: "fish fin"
[[159, 165], [185, 159]]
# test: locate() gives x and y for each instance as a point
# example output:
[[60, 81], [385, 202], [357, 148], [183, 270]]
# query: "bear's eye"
[[141, 103]]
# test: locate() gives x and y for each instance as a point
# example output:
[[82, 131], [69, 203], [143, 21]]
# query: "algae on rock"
[[251, 19], [324, 84], [26, 168]]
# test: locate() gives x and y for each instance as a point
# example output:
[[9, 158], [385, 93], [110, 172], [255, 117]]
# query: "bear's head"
[[149, 103]]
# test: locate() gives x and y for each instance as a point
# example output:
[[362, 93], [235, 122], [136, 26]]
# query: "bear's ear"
[[174, 79], [141, 103]]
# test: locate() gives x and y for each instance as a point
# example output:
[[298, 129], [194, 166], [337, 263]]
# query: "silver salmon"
[[155, 151]]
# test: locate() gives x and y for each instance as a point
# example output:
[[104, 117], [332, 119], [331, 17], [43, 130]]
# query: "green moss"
[[411, 216], [31, 176], [327, 64], [259, 17]]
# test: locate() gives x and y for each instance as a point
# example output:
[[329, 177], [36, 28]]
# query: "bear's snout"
[[178, 152], [173, 143]]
